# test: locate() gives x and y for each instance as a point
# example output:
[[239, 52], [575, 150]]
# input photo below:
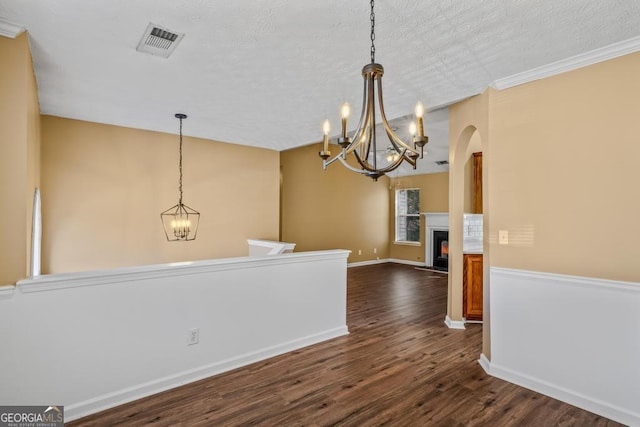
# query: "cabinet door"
[[472, 287], [477, 183]]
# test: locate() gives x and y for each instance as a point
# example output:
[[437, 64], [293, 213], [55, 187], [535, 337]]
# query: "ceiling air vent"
[[159, 41], [442, 162]]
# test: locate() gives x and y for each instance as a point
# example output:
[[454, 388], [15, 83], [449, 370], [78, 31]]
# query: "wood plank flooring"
[[400, 366]]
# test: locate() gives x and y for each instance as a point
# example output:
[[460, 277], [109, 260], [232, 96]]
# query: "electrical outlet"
[[375, 250], [193, 336], [359, 251]]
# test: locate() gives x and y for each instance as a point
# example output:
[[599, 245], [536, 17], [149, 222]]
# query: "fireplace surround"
[[435, 224]]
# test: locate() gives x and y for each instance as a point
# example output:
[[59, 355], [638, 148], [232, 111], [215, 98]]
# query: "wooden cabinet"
[[472, 287], [477, 183]]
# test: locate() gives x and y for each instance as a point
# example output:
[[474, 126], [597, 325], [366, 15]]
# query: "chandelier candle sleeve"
[[325, 129], [346, 110], [419, 113]]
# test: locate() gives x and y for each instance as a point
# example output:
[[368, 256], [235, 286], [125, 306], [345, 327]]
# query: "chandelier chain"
[[372, 17], [180, 165]]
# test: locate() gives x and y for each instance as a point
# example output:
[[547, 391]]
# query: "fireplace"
[[436, 240], [440, 250]]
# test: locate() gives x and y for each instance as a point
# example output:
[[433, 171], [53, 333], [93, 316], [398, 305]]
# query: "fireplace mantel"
[[437, 219], [433, 221]]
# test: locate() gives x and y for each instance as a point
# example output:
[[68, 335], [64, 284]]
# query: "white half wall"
[[573, 338], [93, 340]]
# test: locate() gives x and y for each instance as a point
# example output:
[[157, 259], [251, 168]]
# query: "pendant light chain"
[[372, 17], [180, 165]]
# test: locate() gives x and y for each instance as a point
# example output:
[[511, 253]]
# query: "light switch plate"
[[503, 237]]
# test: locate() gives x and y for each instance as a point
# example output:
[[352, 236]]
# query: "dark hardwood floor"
[[400, 366]]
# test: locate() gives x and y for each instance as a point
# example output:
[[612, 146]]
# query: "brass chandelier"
[[180, 222], [363, 144]]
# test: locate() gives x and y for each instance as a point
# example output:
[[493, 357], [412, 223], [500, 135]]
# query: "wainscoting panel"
[[573, 338], [92, 340]]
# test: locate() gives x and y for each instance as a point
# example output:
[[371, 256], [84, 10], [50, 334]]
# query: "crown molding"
[[574, 62], [10, 29]]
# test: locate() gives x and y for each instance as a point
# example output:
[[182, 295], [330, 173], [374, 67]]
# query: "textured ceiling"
[[266, 73]]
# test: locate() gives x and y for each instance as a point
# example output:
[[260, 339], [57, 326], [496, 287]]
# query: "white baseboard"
[[433, 270], [407, 262], [370, 262], [385, 260], [485, 363], [557, 392], [100, 403], [453, 324]]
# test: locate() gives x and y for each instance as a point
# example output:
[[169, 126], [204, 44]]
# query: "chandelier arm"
[[372, 130], [366, 136], [364, 163], [351, 168], [410, 160], [398, 162], [393, 166], [363, 141], [366, 167], [398, 143], [362, 123], [326, 163], [390, 133]]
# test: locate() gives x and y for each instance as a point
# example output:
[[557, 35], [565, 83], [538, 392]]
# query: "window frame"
[[397, 216]]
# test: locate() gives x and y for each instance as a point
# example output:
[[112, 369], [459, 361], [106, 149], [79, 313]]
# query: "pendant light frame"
[[180, 222]]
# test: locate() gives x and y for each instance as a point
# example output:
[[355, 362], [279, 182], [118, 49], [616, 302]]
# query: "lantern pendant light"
[[180, 222]]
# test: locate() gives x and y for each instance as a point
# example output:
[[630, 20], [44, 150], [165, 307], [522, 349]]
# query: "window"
[[408, 215]]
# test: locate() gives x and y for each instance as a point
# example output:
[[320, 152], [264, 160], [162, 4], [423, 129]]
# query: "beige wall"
[[332, 209], [103, 188], [559, 175], [19, 155], [564, 172], [434, 197]]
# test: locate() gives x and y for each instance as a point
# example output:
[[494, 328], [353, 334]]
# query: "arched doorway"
[[469, 141]]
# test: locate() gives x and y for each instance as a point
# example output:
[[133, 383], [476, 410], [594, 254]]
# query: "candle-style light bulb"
[[346, 110], [419, 113], [412, 129], [326, 127]]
